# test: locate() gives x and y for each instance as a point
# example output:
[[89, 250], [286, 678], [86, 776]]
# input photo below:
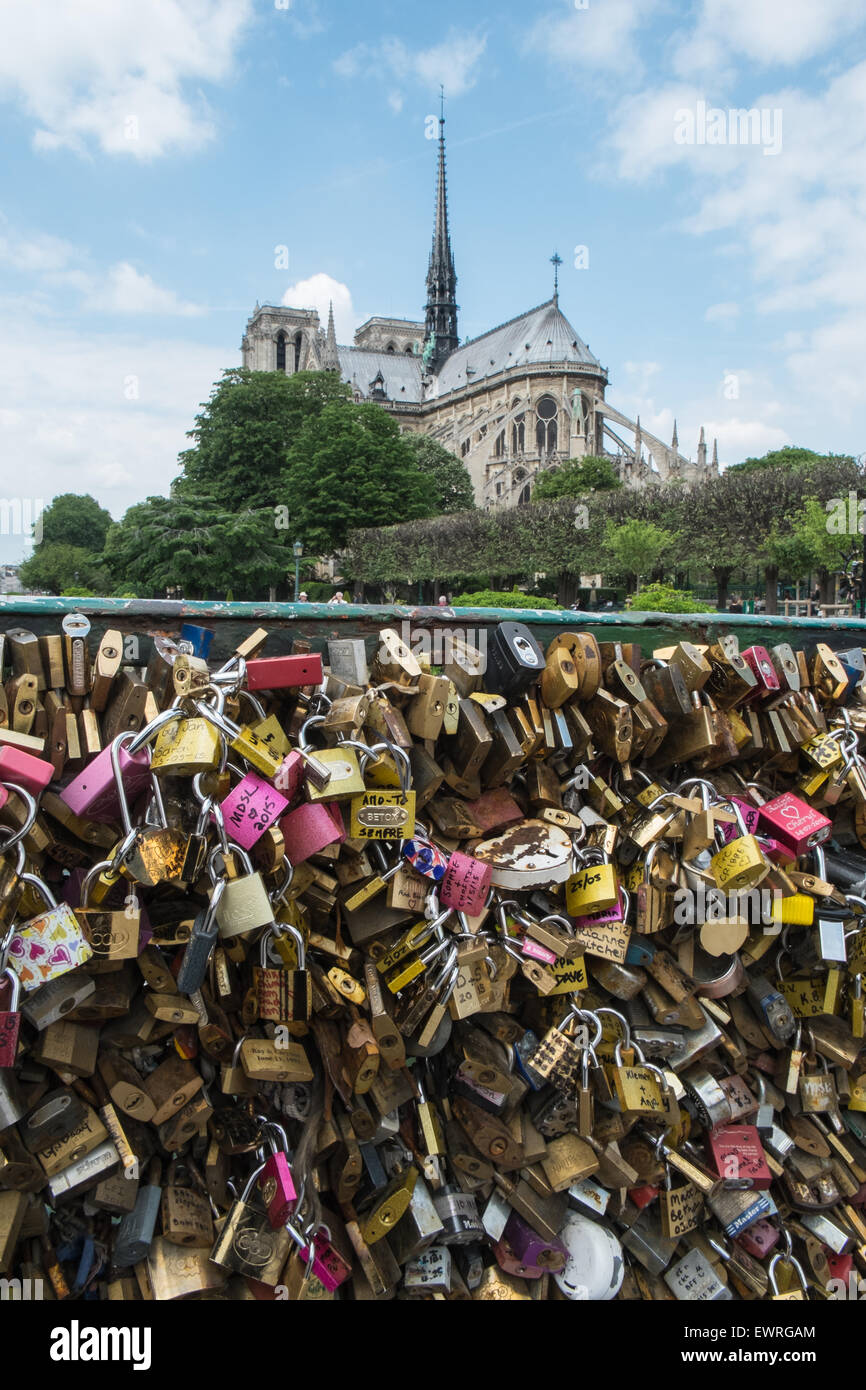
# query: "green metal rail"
[[317, 623]]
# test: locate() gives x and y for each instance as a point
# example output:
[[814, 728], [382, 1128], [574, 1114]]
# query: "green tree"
[[448, 481], [246, 430], [789, 456], [812, 548], [635, 547], [590, 474], [350, 468], [75, 519], [198, 544], [59, 568]]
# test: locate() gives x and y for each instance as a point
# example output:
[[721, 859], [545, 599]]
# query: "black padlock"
[[514, 661]]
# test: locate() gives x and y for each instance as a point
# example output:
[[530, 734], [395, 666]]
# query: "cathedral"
[[519, 399]]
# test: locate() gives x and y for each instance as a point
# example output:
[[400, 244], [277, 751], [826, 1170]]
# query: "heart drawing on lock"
[[34, 949], [17, 946], [60, 956]]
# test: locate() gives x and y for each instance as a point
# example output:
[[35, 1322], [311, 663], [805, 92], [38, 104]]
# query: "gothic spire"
[[716, 455], [330, 358], [441, 308], [675, 443]]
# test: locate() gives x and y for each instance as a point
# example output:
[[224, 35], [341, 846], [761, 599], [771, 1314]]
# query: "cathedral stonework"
[[517, 400]]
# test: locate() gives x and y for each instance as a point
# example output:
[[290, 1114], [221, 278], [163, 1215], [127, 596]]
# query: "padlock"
[[49, 945], [186, 1207], [275, 1181], [10, 1021], [251, 808], [793, 1294], [244, 904], [283, 995], [246, 1243]]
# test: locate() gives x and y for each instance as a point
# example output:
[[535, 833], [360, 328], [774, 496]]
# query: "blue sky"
[[156, 156]]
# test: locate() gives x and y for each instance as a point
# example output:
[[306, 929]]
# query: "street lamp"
[[297, 551]]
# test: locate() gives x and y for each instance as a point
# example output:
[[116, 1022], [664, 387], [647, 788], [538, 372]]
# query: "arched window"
[[409, 348], [299, 339], [499, 446], [523, 499], [390, 348], [545, 426], [518, 435], [281, 352], [465, 447]]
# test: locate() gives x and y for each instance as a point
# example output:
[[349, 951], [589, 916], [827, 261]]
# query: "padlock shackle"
[[14, 837]]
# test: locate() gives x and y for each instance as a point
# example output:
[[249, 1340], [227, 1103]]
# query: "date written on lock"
[[251, 808]]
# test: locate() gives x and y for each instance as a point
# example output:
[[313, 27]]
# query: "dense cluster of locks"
[[530, 976]]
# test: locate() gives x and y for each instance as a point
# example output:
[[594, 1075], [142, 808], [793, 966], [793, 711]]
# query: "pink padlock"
[[289, 777], [33, 774], [795, 824], [310, 828], [329, 1266], [775, 850], [466, 884], [759, 1239], [93, 793], [251, 808], [278, 1189], [537, 951], [604, 915]]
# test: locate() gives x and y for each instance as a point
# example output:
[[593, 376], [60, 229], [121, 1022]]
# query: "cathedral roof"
[[401, 372], [541, 335]]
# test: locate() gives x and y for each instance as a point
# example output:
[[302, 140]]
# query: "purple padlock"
[[531, 1248], [93, 793], [251, 808], [466, 884], [310, 828]]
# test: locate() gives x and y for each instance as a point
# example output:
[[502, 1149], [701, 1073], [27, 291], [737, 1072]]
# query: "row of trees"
[[770, 514]]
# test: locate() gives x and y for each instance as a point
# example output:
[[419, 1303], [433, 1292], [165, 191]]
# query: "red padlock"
[[794, 823], [10, 1022], [280, 672]]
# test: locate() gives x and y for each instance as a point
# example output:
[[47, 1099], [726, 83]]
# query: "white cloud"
[[725, 313], [601, 36], [767, 33], [316, 293], [126, 291], [453, 63], [99, 413], [125, 78], [36, 253]]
